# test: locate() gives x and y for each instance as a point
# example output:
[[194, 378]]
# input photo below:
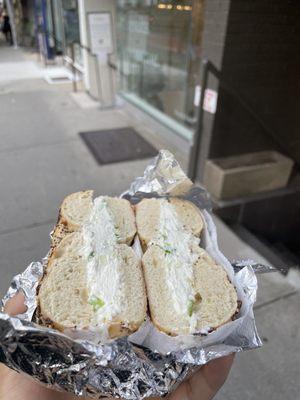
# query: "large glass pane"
[[71, 21], [158, 53], [71, 29], [58, 25]]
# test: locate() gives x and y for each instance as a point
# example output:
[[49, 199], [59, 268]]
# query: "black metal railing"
[[69, 57], [199, 150]]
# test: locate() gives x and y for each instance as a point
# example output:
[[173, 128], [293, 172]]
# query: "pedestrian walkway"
[[15, 65], [18, 70], [42, 159], [9, 53]]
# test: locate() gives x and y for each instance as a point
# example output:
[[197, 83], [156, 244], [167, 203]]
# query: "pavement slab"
[[32, 85], [271, 286], [10, 54], [41, 117], [271, 372], [78, 120], [14, 70], [20, 248], [34, 181]]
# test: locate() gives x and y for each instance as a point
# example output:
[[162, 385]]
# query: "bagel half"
[[93, 279], [187, 291]]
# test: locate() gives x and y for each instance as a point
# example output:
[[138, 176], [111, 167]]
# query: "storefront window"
[[62, 26], [158, 51], [71, 29], [57, 24], [71, 21]]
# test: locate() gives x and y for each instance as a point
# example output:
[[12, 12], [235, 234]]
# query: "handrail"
[[200, 146], [50, 34], [71, 61]]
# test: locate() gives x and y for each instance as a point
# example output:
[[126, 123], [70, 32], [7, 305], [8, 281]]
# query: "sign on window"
[[100, 29]]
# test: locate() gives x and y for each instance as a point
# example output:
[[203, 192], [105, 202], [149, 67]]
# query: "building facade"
[[152, 53], [159, 52]]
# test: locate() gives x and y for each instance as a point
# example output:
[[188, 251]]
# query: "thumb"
[[15, 305]]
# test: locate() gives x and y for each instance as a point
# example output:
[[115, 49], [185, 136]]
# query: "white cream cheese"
[[104, 275], [178, 244]]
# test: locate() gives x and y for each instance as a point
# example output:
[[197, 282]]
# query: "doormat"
[[115, 145]]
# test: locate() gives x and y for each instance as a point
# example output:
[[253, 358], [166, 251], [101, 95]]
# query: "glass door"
[[158, 53]]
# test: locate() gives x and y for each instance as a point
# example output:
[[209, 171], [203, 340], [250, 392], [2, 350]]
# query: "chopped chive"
[[168, 251], [91, 255], [97, 303], [191, 305]]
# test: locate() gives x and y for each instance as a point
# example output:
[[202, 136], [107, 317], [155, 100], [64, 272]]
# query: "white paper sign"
[[197, 95], [138, 29], [210, 99], [100, 29]]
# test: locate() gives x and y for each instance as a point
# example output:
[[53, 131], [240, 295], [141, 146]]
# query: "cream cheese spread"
[[178, 244], [103, 268]]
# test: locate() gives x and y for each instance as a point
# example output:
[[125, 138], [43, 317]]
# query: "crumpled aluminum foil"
[[148, 363]]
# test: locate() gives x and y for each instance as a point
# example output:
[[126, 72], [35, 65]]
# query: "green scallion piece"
[[97, 303], [191, 305]]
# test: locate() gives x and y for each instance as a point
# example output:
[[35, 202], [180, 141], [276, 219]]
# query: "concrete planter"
[[246, 174]]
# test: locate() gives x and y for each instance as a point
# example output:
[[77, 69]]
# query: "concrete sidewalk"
[[42, 159], [271, 372]]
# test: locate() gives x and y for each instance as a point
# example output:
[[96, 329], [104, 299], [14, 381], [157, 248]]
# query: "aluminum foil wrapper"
[[147, 363]]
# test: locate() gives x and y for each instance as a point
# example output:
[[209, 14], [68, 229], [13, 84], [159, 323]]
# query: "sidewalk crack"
[[284, 296]]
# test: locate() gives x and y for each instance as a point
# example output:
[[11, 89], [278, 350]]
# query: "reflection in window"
[[159, 54]]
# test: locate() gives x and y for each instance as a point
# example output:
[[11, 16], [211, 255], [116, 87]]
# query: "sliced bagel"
[[187, 292], [92, 278], [189, 215], [59, 232], [65, 296], [185, 301], [148, 217], [123, 217], [76, 210]]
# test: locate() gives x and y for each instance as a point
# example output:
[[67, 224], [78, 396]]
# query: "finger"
[[216, 371], [15, 305], [187, 391], [204, 383]]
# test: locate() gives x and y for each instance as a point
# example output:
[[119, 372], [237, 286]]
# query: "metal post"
[[141, 80], [111, 80], [98, 79], [130, 68], [11, 14], [73, 67], [122, 72], [45, 24], [196, 148]]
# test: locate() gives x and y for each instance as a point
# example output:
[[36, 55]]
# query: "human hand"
[[202, 385]]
